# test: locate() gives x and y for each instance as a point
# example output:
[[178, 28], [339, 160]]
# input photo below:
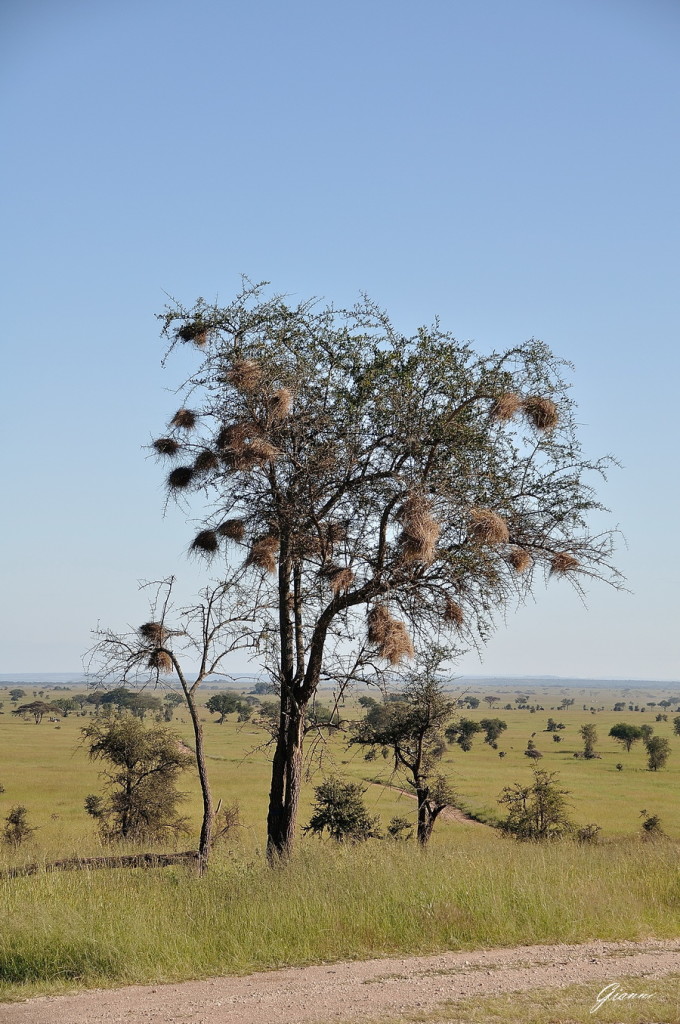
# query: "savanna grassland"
[[471, 887]]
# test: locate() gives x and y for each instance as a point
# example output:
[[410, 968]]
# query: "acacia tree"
[[411, 728], [378, 488]]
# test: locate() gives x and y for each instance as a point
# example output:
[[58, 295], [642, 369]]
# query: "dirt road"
[[344, 992]]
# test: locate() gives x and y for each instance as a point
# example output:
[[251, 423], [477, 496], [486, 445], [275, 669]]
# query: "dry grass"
[[542, 412], [519, 559], [506, 406], [180, 478], [205, 542], [232, 529], [185, 418], [563, 562], [453, 612], [280, 404], [488, 527], [162, 661], [167, 446], [389, 635], [263, 553], [245, 375], [420, 531]]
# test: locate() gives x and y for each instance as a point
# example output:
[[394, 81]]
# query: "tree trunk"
[[425, 817], [205, 841], [284, 795]]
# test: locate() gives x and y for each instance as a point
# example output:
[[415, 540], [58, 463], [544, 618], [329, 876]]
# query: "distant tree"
[[646, 731], [658, 752], [588, 734], [17, 830], [366, 701], [554, 726], [556, 738], [38, 708], [626, 734], [661, 718], [537, 812], [412, 730], [16, 694], [471, 702], [676, 725], [262, 688], [567, 702], [620, 705], [224, 704], [619, 767], [171, 701], [492, 700], [532, 752], [339, 809], [143, 767], [462, 732], [493, 727], [651, 826]]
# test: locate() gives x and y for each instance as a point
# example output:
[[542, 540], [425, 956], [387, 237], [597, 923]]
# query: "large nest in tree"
[[339, 577], [180, 478], [167, 446], [453, 612], [232, 437], [196, 332], [280, 404], [562, 562], [542, 412], [205, 542], [505, 406], [488, 527], [206, 461], [389, 635], [233, 529], [263, 553], [420, 531], [519, 559], [245, 375], [185, 418], [336, 533], [161, 661], [251, 455], [154, 632]]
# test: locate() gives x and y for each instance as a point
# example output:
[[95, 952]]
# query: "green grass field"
[[472, 887]]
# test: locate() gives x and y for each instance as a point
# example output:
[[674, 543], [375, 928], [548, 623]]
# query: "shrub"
[[537, 812], [340, 811]]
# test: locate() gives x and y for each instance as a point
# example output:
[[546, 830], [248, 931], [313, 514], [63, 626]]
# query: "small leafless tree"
[[190, 644]]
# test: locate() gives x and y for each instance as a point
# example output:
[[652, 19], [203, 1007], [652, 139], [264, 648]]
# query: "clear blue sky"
[[510, 167]]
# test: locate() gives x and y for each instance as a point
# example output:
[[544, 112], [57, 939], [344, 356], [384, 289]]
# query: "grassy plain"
[[471, 888]]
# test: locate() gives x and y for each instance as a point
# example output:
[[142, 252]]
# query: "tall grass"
[[62, 930]]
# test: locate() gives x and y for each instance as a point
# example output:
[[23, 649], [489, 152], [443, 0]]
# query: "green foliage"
[[400, 829], [493, 727], [537, 812], [588, 734], [227, 703], [17, 830], [462, 732], [626, 734], [676, 725], [658, 752], [143, 766], [339, 809], [38, 708], [651, 826]]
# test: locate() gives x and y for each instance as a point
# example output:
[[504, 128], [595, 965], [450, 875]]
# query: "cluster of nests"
[[155, 634], [541, 412], [239, 446]]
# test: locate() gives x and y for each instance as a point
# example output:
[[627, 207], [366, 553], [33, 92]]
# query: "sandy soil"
[[344, 992]]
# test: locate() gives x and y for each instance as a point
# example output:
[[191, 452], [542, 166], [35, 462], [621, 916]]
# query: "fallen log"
[[134, 860]]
